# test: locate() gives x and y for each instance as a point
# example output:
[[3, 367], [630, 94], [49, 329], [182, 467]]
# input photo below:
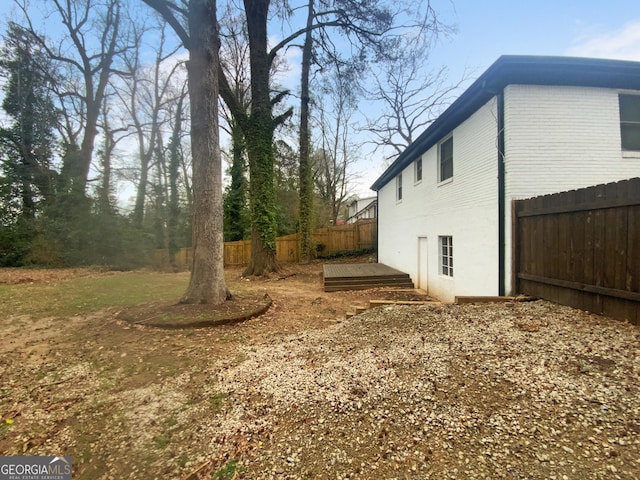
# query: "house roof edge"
[[517, 69]]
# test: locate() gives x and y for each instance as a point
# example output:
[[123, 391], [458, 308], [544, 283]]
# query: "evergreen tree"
[[27, 143], [27, 179]]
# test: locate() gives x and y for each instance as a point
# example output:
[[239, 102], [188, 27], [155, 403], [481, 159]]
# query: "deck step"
[[363, 276], [335, 287]]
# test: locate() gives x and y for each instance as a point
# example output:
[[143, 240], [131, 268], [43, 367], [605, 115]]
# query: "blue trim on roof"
[[520, 70]]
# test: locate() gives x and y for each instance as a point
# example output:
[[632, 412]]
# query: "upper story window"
[[399, 187], [630, 121], [417, 170], [445, 164]]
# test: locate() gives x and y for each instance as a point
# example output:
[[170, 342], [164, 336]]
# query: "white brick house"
[[528, 126], [361, 208]]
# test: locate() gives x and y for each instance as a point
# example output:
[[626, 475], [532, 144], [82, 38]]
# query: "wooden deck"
[[359, 276]]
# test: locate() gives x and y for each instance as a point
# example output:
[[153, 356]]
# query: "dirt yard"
[[518, 390]]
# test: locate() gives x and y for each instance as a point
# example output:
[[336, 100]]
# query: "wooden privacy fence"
[[341, 238], [582, 248]]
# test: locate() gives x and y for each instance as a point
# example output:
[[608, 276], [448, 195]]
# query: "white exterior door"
[[423, 271]]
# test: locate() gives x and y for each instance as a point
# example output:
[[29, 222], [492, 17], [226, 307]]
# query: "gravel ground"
[[517, 390], [522, 390]]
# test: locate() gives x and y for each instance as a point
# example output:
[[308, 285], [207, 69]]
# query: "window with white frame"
[[630, 121], [399, 187], [446, 255], [445, 164], [417, 170]]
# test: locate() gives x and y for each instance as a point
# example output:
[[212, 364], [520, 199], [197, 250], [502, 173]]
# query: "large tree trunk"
[[306, 186], [262, 196], [76, 167], [259, 138], [207, 284]]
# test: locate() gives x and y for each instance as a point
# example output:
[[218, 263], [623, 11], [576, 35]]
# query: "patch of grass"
[[85, 455], [183, 459], [216, 401], [171, 370], [4, 428], [171, 422], [232, 338], [48, 375], [239, 358], [89, 294], [161, 441], [228, 471]]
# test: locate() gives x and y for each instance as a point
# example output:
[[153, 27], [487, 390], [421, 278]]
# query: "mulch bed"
[[163, 315]]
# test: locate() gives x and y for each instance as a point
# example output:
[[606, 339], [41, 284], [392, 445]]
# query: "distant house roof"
[[372, 204], [366, 200], [522, 70]]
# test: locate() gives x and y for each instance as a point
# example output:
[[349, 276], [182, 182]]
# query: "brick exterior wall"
[[556, 139]]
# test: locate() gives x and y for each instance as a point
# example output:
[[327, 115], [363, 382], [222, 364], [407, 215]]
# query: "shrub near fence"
[[341, 238]]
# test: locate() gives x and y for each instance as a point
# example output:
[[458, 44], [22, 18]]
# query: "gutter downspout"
[[377, 226], [501, 196]]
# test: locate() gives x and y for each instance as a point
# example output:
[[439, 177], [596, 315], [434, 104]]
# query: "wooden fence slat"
[[342, 238], [632, 282], [588, 257]]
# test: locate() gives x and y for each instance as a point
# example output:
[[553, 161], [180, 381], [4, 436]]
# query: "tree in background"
[[286, 187], [145, 92], [237, 110], [410, 100], [200, 38], [176, 158], [373, 30], [105, 41], [26, 146], [237, 224], [333, 160], [258, 127], [88, 53], [235, 64], [304, 170]]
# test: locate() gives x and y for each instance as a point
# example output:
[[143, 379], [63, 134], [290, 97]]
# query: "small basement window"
[[630, 121], [446, 256]]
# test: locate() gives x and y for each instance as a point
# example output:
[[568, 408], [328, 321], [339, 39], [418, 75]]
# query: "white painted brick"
[[559, 139], [556, 139], [465, 208]]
